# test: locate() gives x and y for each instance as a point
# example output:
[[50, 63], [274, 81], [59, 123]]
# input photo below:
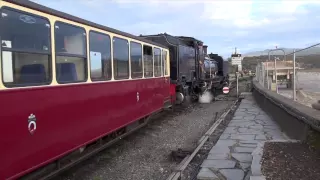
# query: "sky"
[[249, 25]]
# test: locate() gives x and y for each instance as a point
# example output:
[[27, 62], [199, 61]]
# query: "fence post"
[[237, 84], [267, 74], [262, 75], [256, 71], [294, 75], [275, 71]]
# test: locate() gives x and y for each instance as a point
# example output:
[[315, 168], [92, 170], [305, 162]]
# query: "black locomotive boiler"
[[192, 70]]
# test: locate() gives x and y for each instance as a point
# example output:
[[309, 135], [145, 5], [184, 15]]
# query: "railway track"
[[149, 150], [198, 154], [178, 173]]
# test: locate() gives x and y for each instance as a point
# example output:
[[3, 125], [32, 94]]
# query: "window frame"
[[89, 59], [128, 44], [152, 51], [85, 56], [142, 67], [166, 52], [161, 62], [164, 61], [13, 50]]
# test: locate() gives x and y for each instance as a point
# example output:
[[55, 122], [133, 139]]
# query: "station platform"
[[238, 152]]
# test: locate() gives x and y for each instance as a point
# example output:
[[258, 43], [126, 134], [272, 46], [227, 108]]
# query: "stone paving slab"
[[237, 154]]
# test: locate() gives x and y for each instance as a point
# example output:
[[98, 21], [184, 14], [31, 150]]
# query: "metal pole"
[[260, 69], [256, 71], [294, 75], [268, 59], [263, 73], [275, 71], [237, 84], [267, 76], [259, 73]]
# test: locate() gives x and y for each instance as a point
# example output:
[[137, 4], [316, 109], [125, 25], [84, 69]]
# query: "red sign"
[[225, 90]]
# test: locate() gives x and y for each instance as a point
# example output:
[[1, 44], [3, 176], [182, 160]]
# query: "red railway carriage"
[[66, 82]]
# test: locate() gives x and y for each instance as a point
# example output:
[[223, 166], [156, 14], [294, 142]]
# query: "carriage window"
[[148, 61], [157, 62], [25, 46], [136, 60], [71, 60], [164, 60], [120, 58], [100, 56]]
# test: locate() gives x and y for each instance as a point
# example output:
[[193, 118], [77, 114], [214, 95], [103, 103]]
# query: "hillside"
[[307, 61], [314, 50]]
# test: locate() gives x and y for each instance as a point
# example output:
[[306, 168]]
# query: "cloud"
[[221, 24]]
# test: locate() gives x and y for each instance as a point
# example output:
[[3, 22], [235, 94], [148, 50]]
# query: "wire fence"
[[292, 73]]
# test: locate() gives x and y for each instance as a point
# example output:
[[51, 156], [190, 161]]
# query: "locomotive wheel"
[[179, 98], [187, 101]]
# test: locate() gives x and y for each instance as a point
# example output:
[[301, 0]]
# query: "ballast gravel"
[[146, 154], [294, 161]]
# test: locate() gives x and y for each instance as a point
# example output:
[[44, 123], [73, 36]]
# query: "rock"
[[256, 165], [244, 149], [232, 174], [257, 178], [261, 137], [218, 156], [218, 164], [227, 142], [206, 174], [316, 105], [245, 166], [244, 137], [220, 149], [242, 157]]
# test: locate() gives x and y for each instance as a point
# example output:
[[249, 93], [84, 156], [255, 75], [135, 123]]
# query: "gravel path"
[[146, 153], [294, 161]]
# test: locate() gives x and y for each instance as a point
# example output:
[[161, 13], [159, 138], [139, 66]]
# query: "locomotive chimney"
[[205, 49]]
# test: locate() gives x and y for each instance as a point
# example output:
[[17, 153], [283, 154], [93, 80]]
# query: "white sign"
[[236, 60], [225, 90]]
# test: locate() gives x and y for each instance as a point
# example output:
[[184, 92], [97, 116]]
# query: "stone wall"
[[296, 120]]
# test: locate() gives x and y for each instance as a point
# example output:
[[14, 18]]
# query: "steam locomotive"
[[192, 71]]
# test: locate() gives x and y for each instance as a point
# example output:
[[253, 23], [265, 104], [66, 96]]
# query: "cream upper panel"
[[52, 19]]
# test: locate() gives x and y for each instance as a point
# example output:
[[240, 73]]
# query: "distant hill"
[[308, 59], [314, 50], [311, 61]]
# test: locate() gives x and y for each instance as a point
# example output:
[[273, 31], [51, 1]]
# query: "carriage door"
[[166, 74]]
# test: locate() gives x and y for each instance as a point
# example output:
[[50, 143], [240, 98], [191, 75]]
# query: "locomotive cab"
[[186, 64]]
